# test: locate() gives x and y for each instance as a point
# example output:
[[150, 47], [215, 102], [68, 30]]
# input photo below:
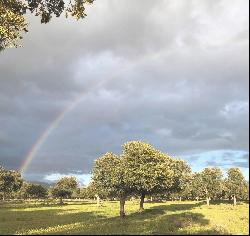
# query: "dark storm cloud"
[[172, 73]]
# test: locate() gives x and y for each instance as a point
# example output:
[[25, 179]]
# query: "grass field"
[[158, 218]]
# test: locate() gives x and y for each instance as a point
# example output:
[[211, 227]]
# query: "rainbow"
[[58, 119], [40, 141]]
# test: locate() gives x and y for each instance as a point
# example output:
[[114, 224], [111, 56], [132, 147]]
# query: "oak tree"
[[149, 170], [211, 183], [236, 185], [181, 178], [110, 175], [33, 191], [10, 182], [64, 188]]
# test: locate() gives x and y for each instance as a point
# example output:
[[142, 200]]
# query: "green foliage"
[[182, 177], [205, 184], [110, 176], [211, 182], [46, 9], [13, 23], [236, 184], [64, 188], [196, 186], [33, 191], [141, 170], [10, 182], [76, 193], [76, 8], [148, 170], [82, 194]]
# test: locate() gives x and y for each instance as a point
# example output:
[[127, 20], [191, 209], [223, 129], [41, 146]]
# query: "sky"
[[171, 73]]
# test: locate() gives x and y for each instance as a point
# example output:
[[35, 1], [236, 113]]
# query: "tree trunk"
[[235, 201], [97, 200], [142, 199], [61, 201], [152, 199], [180, 199], [122, 207], [208, 201], [208, 198]]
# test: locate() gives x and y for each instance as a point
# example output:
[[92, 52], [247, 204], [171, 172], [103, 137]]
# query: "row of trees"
[[140, 171], [12, 186], [210, 184], [143, 170]]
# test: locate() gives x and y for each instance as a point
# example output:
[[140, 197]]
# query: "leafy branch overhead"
[[12, 16]]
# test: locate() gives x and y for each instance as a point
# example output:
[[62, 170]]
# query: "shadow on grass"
[[65, 204], [178, 223], [40, 219], [151, 221], [23, 205], [178, 207], [157, 220], [149, 224]]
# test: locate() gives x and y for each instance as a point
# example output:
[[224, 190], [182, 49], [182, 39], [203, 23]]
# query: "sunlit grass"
[[158, 218]]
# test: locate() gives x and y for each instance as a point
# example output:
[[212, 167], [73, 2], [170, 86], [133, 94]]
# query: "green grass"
[[158, 218]]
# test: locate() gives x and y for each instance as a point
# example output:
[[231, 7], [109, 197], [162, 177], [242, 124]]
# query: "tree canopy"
[[64, 188], [139, 170], [236, 185], [110, 175], [10, 182], [149, 171], [12, 16], [29, 190], [211, 183], [12, 23]]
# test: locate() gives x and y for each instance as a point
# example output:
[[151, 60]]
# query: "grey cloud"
[[246, 157], [158, 71], [241, 164], [232, 164]]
